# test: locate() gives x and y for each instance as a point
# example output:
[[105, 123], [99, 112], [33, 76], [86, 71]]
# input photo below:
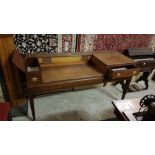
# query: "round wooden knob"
[[134, 72], [34, 79], [118, 74]]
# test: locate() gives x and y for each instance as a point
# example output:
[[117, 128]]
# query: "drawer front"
[[146, 64], [123, 73], [34, 78]]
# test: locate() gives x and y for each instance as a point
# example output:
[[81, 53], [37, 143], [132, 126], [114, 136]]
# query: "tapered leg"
[[10, 116], [125, 88], [31, 99]]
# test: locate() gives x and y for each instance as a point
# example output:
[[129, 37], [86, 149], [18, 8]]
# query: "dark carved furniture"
[[124, 109], [48, 73], [145, 60], [135, 109]]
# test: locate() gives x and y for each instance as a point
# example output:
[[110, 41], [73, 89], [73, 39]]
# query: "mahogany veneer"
[[46, 73]]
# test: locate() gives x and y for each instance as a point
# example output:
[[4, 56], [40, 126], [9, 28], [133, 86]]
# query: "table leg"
[[121, 83], [125, 88], [144, 78], [10, 116], [31, 99]]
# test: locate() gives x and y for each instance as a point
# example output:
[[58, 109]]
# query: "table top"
[[127, 107], [127, 104], [114, 59]]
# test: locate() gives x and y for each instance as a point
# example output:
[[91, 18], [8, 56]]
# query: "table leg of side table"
[[31, 99], [144, 78], [125, 88]]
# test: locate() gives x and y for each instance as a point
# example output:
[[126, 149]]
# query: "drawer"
[[146, 64], [33, 71], [34, 78], [116, 73]]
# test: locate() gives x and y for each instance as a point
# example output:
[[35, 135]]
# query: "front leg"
[[144, 78], [146, 75], [31, 99], [125, 88], [121, 83]]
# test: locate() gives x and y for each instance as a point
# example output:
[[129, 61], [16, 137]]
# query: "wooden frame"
[[7, 48]]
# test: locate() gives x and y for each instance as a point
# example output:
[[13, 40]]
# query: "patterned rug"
[[120, 42], [67, 43], [45, 43]]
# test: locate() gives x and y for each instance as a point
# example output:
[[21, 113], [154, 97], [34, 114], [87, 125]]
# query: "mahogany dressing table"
[[47, 73]]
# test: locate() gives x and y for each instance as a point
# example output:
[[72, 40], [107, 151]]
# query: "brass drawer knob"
[[144, 63], [134, 72], [34, 79], [118, 74]]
